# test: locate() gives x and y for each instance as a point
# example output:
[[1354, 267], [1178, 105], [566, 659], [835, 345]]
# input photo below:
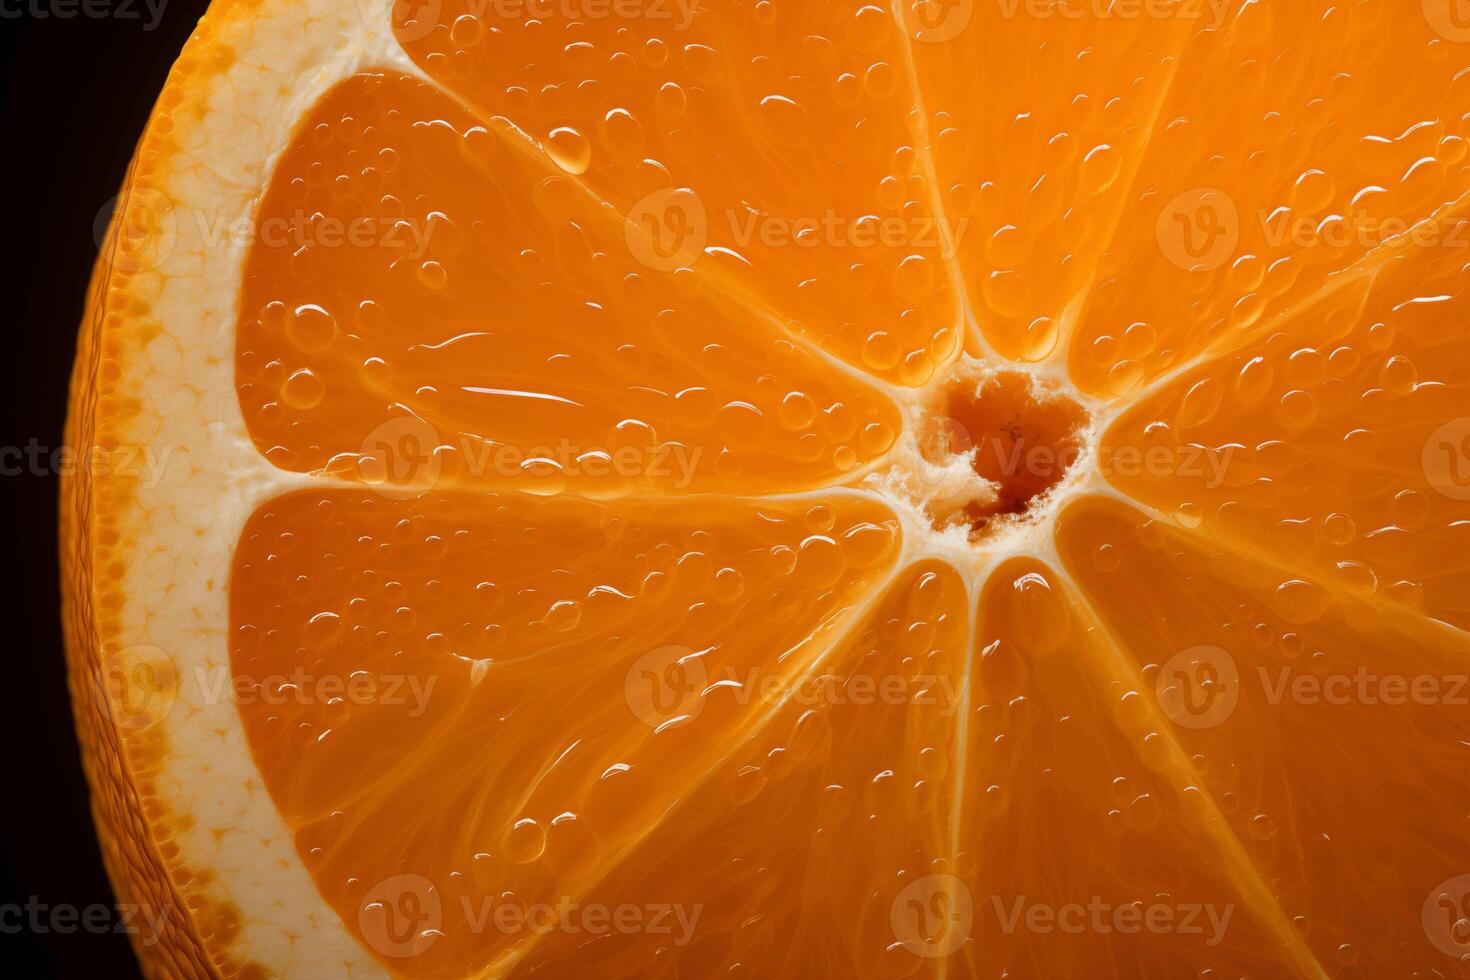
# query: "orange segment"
[[527, 687], [1333, 739], [1336, 444], [1038, 122], [805, 849], [1082, 827], [770, 146], [1280, 158], [424, 305]]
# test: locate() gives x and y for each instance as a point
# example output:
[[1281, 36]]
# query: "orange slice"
[[773, 489]]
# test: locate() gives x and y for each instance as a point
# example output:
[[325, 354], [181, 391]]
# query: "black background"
[[77, 92]]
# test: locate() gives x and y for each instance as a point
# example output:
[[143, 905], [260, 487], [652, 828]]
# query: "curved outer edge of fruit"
[[187, 830]]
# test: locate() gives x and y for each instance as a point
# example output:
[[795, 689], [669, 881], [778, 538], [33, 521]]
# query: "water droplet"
[[303, 389], [569, 150]]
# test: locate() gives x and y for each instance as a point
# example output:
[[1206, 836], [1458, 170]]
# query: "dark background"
[[77, 91]]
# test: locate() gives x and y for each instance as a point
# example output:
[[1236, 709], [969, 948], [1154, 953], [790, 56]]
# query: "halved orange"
[[646, 488]]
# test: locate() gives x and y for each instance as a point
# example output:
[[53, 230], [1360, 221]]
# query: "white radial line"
[[1074, 309], [973, 585], [1397, 618], [1360, 273], [966, 321]]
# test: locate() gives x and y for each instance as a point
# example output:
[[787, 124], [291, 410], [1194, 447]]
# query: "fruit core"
[[1018, 436]]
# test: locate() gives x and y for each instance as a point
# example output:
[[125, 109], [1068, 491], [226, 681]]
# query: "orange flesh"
[[606, 560]]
